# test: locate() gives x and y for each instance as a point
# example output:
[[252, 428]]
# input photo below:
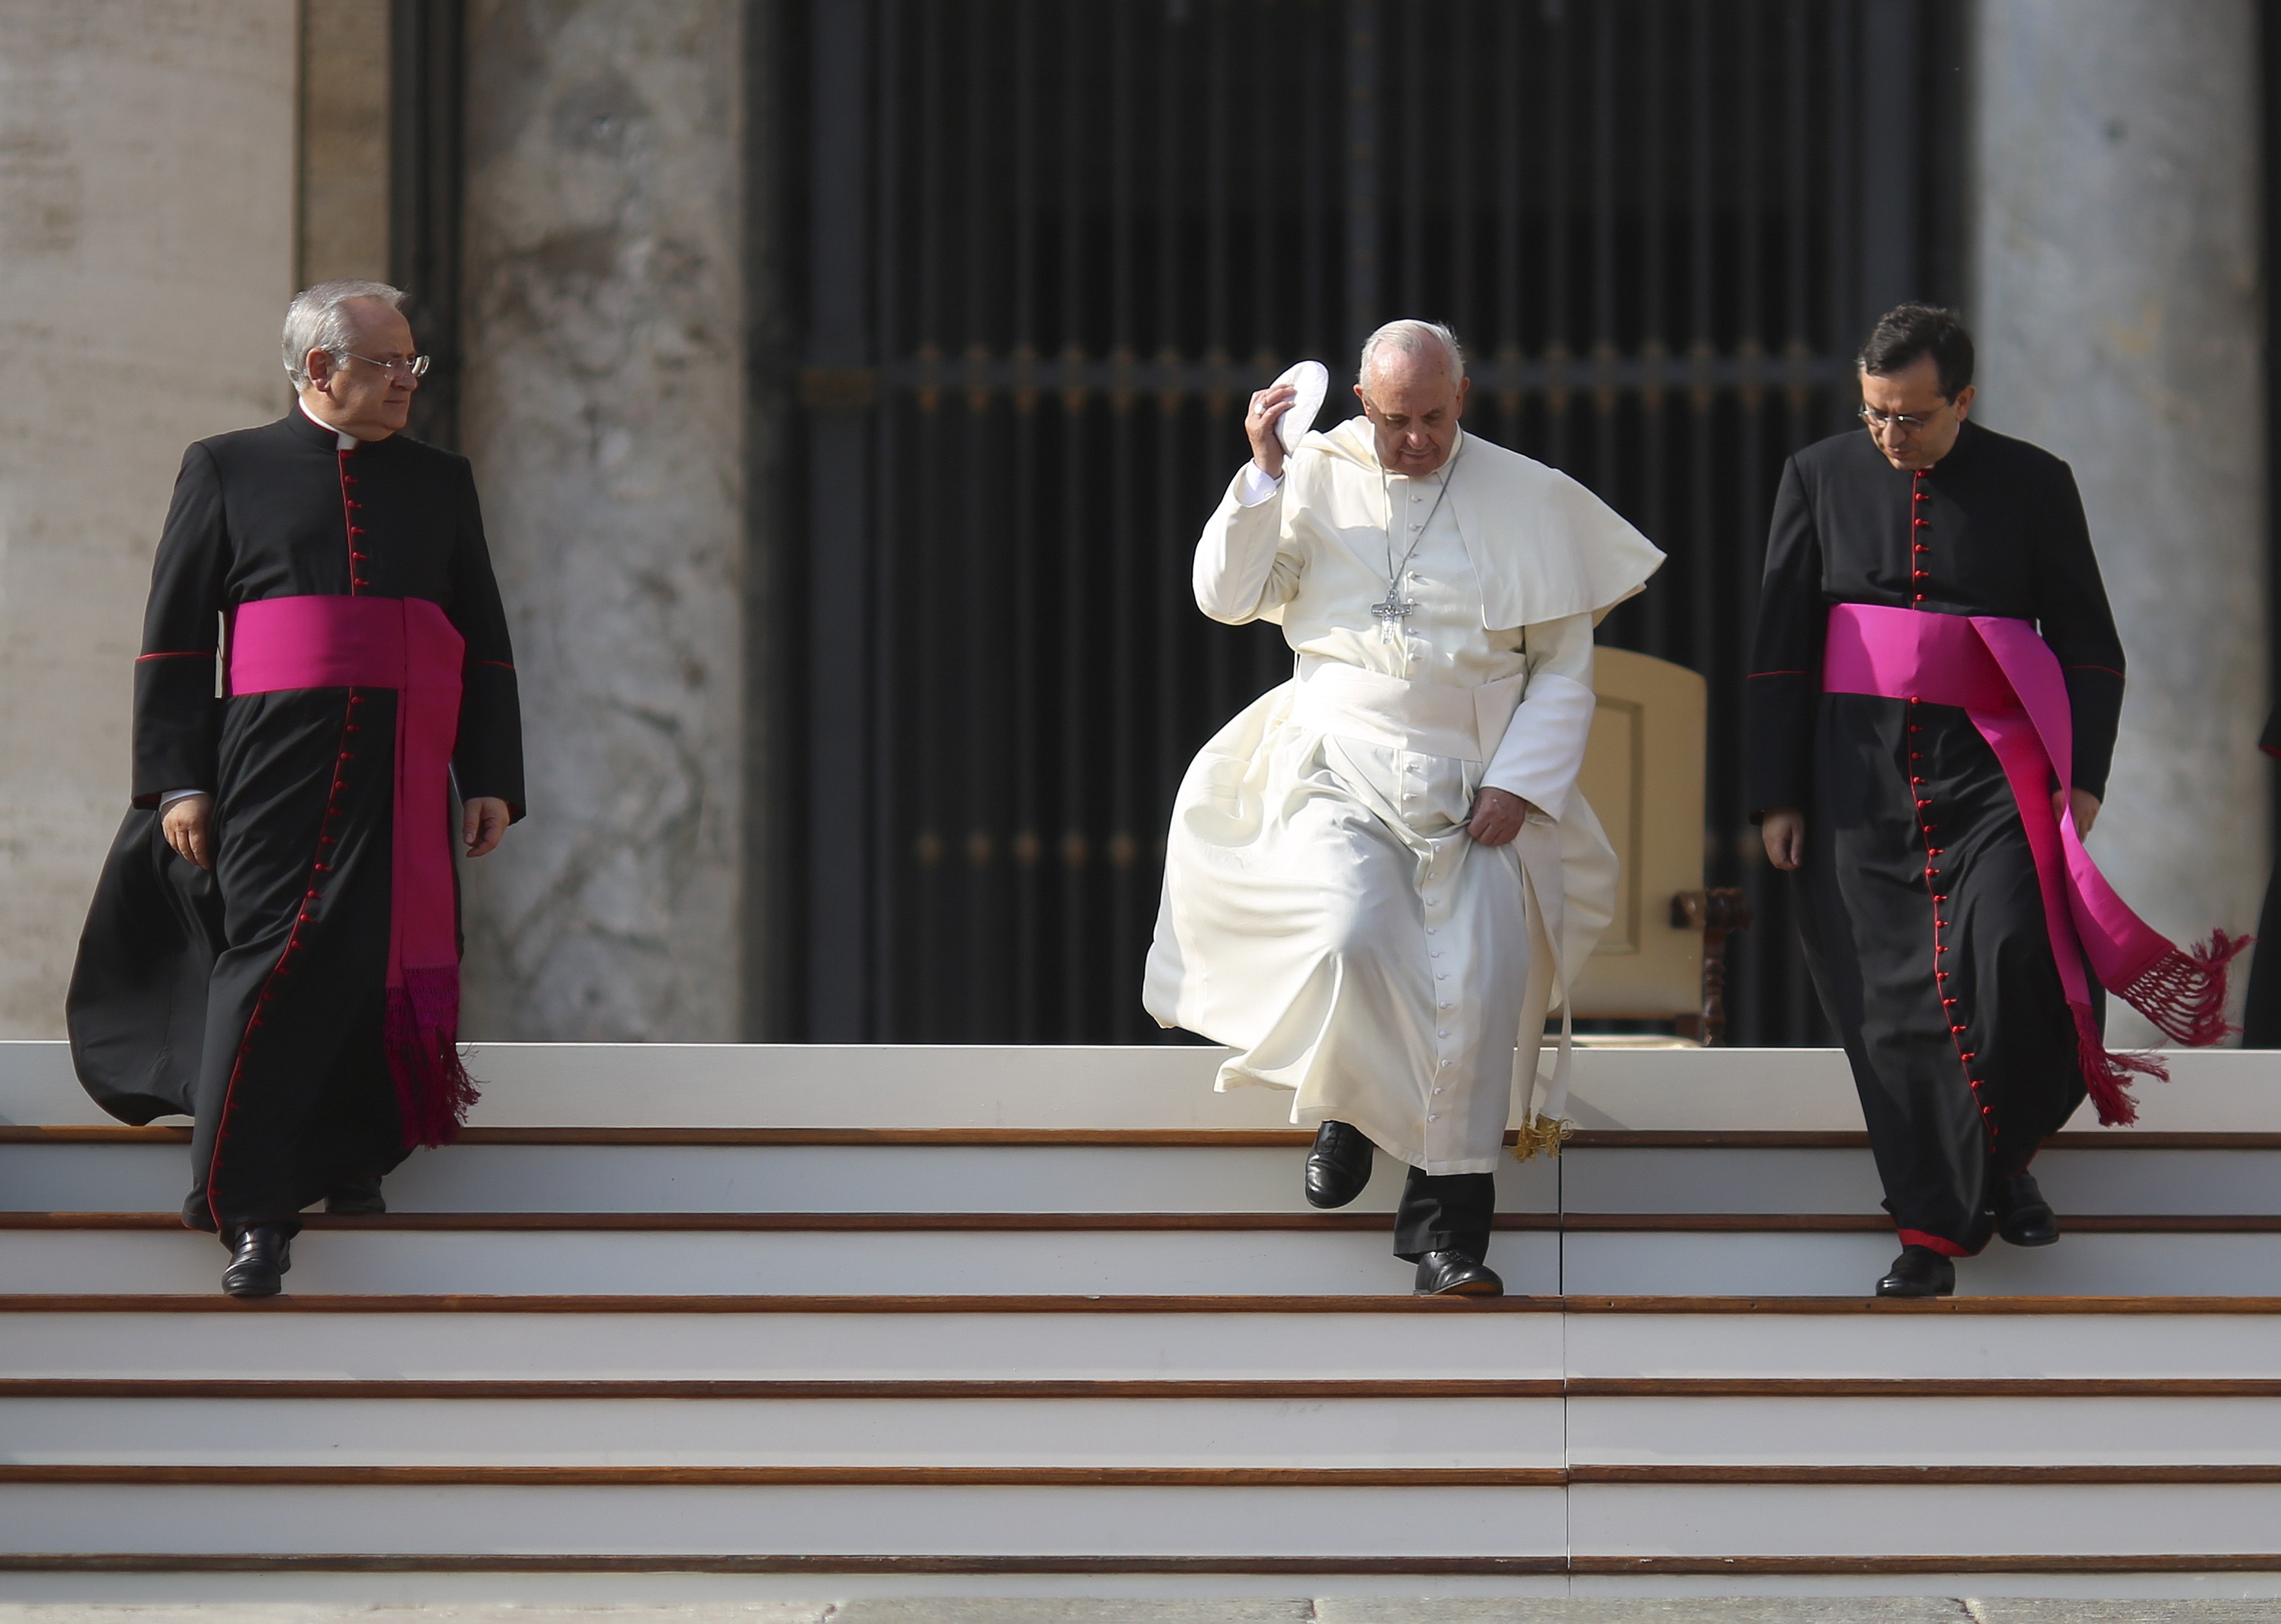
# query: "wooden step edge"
[[453, 1562], [1298, 1390], [1083, 1223], [214, 1475], [111, 1473], [790, 1223], [128, 1302], [1583, 1139], [983, 1567], [2150, 1562], [692, 1303], [1301, 1389]]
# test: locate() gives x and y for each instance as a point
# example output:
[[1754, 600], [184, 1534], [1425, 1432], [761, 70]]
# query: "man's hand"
[[187, 824], [1498, 816], [1261, 423], [1784, 828], [2086, 810], [482, 823]]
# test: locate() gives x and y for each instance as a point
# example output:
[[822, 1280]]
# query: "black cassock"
[[175, 959], [2260, 1013], [2004, 535]]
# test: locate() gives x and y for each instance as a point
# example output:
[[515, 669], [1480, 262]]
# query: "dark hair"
[[1908, 332]]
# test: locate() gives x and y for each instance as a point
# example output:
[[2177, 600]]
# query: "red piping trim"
[[1941, 1244], [504, 665], [184, 653], [318, 867], [2109, 670], [1756, 675]]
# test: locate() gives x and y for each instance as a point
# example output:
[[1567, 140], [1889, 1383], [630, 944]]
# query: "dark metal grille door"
[[1052, 244]]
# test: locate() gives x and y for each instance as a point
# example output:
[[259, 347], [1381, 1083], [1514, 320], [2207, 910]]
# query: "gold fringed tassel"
[[1541, 1134]]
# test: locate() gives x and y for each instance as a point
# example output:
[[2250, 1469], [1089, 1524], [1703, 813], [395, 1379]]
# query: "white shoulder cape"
[[1542, 545]]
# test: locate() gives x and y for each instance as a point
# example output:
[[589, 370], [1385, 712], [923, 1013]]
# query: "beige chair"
[[1663, 958]]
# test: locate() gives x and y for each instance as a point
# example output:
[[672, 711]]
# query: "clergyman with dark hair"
[[1932, 710], [274, 946]]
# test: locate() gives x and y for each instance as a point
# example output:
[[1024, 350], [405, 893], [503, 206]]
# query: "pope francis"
[[1379, 877]]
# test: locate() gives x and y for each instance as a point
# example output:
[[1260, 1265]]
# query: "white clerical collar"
[[342, 441]]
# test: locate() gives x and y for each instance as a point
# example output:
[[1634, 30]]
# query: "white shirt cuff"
[[1255, 487], [171, 796]]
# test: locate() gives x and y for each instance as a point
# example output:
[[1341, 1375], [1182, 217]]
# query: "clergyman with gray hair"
[[1380, 875], [274, 945]]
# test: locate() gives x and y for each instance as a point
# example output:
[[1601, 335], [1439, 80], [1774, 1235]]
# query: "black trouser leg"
[[1444, 1212]]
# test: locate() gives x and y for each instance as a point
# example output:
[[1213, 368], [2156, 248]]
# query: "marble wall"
[[146, 253], [2117, 305], [603, 406]]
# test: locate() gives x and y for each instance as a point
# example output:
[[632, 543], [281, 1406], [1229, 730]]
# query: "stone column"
[[2117, 303], [146, 254], [603, 406]]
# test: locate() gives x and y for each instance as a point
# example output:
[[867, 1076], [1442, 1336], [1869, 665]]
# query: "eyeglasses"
[[1874, 419], [411, 365]]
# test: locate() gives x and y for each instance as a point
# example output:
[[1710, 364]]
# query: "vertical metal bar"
[[1843, 181], [1079, 615], [1763, 1003], [1509, 334], [1890, 129], [888, 832], [1026, 565], [1420, 161], [981, 1004], [1605, 395], [1557, 351], [1115, 998], [1703, 587], [1364, 228], [1176, 179], [1655, 435], [839, 573], [1461, 75], [929, 793], [426, 66]]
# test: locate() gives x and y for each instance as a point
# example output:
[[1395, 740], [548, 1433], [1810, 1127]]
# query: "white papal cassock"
[[1325, 913]]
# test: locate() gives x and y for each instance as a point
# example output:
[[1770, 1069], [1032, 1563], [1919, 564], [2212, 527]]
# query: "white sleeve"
[[1542, 749], [171, 796], [1236, 577]]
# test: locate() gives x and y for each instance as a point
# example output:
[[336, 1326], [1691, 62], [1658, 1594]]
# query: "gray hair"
[[318, 320], [1412, 337]]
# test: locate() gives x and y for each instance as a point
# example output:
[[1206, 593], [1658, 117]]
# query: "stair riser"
[[146, 1177], [743, 1347], [1058, 1431], [2131, 1182], [1204, 1261], [1335, 1432], [487, 1178], [1921, 1346], [1932, 1431], [1809, 1265], [1744, 1520], [827, 1262], [1079, 1522]]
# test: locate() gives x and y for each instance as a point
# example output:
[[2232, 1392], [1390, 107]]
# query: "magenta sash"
[[2003, 674], [407, 644]]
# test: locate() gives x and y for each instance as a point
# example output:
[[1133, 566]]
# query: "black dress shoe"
[[259, 1262], [1454, 1274], [1918, 1271], [2023, 1216], [1338, 1166], [357, 1198]]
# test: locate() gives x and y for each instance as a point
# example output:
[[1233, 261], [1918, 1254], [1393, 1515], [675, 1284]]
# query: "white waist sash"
[[1465, 724]]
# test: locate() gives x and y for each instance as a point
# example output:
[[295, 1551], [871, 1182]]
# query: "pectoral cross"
[[1393, 616]]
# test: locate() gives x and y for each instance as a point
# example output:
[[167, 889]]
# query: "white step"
[[1294, 1430], [367, 1261], [1468, 1519], [1700, 1395], [848, 1339], [493, 1178]]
